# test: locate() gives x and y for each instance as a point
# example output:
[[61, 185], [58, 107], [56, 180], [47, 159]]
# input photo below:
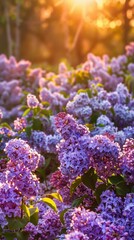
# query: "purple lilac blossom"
[[123, 93], [48, 227], [20, 152], [23, 180], [38, 140], [104, 120], [32, 101], [77, 235], [87, 222], [123, 116], [130, 49], [10, 200], [3, 221], [127, 160], [67, 126], [73, 155], [20, 124], [103, 155], [110, 207]]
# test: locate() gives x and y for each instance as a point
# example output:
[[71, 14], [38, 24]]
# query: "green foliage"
[[99, 190], [50, 203], [5, 124], [78, 201], [62, 213], [56, 196], [89, 178], [75, 184], [37, 124], [31, 213], [26, 112], [17, 223], [129, 81]]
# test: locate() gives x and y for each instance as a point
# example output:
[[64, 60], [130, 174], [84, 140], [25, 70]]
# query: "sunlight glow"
[[85, 3]]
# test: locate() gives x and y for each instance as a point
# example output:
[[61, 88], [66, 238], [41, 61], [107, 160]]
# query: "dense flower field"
[[67, 150]]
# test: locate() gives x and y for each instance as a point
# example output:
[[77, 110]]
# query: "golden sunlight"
[[84, 3]]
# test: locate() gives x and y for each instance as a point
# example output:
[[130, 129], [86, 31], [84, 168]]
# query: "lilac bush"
[[67, 150]]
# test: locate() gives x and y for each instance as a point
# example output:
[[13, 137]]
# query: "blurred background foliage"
[[48, 31]]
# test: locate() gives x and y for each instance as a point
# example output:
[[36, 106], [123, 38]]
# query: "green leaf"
[[46, 104], [94, 117], [28, 130], [99, 191], [62, 215], [26, 210], [87, 90], [75, 184], [56, 196], [26, 112], [90, 126], [47, 162], [4, 124], [89, 178], [122, 189], [17, 223], [78, 201], [22, 235], [115, 179], [46, 112], [50, 203], [34, 215], [9, 235], [37, 124], [132, 189]]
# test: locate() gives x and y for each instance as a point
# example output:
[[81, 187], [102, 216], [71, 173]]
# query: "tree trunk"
[[17, 37]]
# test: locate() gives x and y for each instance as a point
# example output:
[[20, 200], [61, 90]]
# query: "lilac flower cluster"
[[104, 155], [127, 160], [20, 124], [77, 235], [49, 226], [113, 220], [44, 143], [72, 149], [19, 152], [32, 101], [87, 222], [10, 200], [79, 107]]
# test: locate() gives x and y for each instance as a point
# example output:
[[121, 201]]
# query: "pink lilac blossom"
[[20, 124]]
